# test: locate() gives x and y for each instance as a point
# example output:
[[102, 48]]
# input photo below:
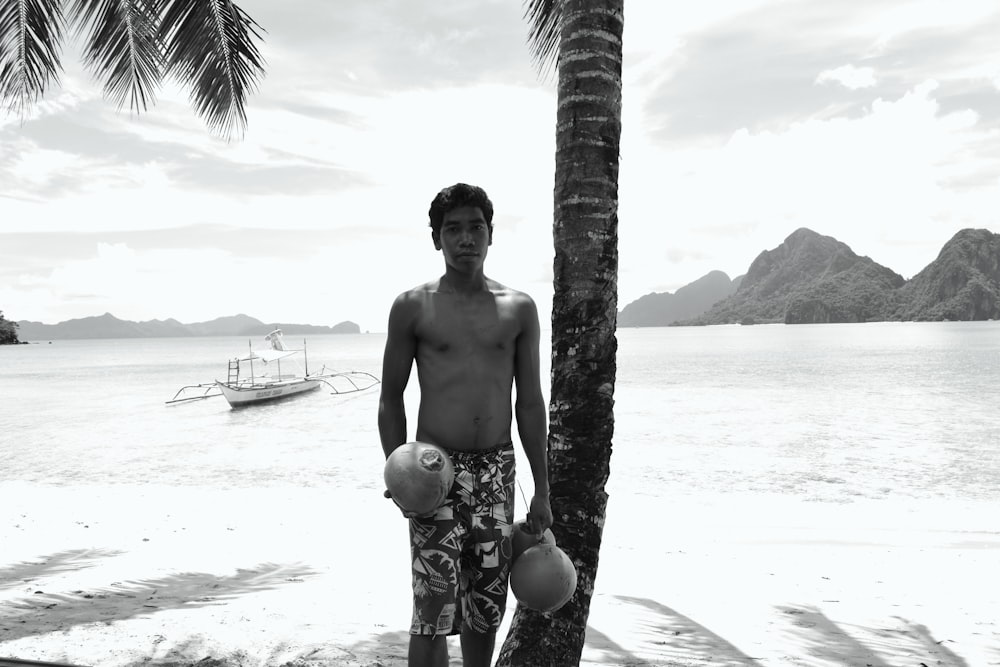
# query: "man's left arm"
[[531, 415]]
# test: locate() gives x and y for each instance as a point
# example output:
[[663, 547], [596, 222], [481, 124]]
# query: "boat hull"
[[239, 396]]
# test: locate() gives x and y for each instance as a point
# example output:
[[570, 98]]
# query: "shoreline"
[[107, 575]]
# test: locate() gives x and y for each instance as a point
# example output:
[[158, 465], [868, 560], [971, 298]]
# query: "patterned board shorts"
[[461, 554]]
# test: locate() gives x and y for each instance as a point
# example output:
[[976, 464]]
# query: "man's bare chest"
[[464, 329]]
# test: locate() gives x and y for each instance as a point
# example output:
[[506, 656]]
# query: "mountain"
[[811, 278], [109, 326], [663, 308], [963, 283], [233, 325]]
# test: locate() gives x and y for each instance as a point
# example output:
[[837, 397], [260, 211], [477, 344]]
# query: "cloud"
[[729, 79], [758, 69], [849, 76], [973, 95], [391, 45], [31, 171], [947, 19], [288, 179], [31, 256]]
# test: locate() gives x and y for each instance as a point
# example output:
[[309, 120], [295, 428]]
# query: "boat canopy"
[[268, 355], [274, 353]]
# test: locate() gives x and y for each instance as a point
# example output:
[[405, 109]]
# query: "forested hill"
[[963, 283], [109, 326], [811, 278], [8, 331]]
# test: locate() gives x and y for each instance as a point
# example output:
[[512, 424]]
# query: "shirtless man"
[[472, 339]]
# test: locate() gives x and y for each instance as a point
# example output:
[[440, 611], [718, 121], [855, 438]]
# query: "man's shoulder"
[[408, 305], [503, 291], [521, 302], [518, 304], [418, 293]]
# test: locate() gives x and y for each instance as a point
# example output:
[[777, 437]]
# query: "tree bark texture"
[[584, 317]]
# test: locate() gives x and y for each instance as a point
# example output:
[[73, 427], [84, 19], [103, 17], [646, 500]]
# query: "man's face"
[[464, 238]]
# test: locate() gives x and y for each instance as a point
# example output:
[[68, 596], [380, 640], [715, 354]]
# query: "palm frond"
[[31, 34], [545, 23], [123, 47], [210, 45]]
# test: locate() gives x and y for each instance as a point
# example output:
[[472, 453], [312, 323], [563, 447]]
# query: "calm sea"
[[821, 413]]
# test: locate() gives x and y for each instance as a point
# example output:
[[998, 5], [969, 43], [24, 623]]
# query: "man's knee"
[[477, 647], [429, 650]]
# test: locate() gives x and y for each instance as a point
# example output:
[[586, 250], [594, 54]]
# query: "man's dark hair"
[[457, 196]]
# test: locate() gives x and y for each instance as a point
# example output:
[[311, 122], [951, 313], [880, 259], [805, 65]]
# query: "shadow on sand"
[[820, 637], [661, 636], [54, 564], [649, 633], [47, 612]]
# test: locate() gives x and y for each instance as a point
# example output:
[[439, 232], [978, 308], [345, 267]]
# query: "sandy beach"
[[150, 575]]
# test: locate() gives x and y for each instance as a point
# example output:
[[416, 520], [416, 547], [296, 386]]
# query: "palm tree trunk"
[[584, 316]]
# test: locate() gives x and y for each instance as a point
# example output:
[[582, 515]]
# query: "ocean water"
[[814, 413]]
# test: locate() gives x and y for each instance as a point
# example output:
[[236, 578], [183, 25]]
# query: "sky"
[[876, 122]]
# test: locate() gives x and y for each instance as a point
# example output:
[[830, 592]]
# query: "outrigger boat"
[[247, 384]]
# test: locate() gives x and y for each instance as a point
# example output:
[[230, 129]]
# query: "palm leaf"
[[123, 47], [31, 34], [545, 22], [211, 46]]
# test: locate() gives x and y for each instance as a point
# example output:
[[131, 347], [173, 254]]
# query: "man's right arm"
[[400, 349]]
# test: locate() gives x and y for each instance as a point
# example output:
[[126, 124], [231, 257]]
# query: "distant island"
[[8, 331], [109, 326], [811, 278], [659, 309]]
